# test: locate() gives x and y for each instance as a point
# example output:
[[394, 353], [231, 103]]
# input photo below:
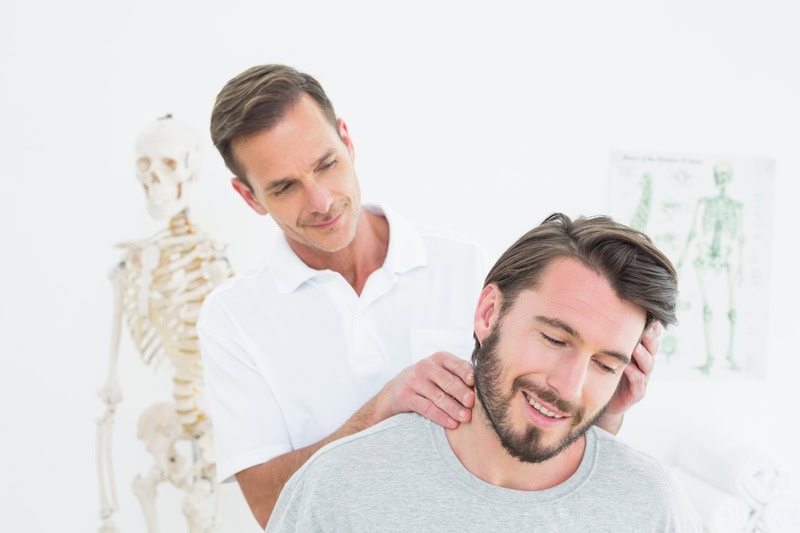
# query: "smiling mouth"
[[540, 408], [326, 223]]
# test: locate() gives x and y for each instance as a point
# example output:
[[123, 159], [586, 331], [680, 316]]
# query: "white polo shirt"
[[290, 352]]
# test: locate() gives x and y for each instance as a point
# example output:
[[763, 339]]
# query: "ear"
[[345, 136], [248, 196], [487, 311]]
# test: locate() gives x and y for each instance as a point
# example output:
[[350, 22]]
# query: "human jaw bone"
[[167, 160]]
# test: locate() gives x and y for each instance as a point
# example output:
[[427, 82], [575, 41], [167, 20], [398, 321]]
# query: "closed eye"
[[329, 164], [554, 342], [282, 188], [605, 368]]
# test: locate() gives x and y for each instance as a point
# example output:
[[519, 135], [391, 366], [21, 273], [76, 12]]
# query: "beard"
[[525, 444]]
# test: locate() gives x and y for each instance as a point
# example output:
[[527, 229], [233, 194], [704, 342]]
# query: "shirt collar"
[[406, 251]]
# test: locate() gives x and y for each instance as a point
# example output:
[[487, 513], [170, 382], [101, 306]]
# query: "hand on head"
[[633, 385]]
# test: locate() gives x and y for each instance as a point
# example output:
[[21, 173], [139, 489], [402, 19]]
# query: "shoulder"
[[617, 454], [382, 445], [452, 244], [433, 237], [395, 430], [646, 473], [650, 484], [236, 293], [448, 247], [372, 459]]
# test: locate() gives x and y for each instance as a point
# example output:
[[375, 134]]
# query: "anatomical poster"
[[711, 215]]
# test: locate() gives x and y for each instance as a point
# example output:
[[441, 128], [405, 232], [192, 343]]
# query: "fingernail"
[[462, 415]]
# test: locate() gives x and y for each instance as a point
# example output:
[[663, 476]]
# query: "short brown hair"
[[256, 100], [635, 268]]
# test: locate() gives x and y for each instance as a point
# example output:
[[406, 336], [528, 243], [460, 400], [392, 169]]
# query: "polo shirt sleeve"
[[248, 425]]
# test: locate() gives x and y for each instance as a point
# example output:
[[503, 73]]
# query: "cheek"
[[283, 208], [347, 180], [524, 355], [599, 391]]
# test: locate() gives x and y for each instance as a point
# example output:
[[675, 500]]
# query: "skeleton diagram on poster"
[[712, 216]]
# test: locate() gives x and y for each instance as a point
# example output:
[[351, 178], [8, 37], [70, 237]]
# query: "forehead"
[[302, 136], [580, 297]]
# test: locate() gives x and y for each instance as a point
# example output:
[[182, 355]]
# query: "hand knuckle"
[[423, 407], [439, 398], [448, 383]]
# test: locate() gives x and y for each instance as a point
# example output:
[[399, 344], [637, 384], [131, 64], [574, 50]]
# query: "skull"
[[723, 171], [167, 160]]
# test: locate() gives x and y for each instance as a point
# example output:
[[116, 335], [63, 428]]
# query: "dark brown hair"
[[634, 267]]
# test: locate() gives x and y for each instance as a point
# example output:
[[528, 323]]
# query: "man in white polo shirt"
[[334, 332]]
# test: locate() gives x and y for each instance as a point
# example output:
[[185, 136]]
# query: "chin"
[[339, 242], [328, 245]]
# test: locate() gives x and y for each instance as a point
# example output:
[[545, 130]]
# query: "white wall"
[[483, 119]]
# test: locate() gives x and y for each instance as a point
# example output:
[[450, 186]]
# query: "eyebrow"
[[277, 184], [566, 328]]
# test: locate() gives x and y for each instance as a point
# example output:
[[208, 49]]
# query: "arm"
[[428, 387], [111, 395], [633, 385]]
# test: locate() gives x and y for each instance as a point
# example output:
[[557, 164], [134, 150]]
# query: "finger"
[[456, 366], [434, 391], [645, 362], [431, 411], [452, 375], [636, 382], [650, 339]]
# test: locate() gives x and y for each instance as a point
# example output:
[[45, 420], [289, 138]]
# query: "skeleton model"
[[158, 288], [718, 238]]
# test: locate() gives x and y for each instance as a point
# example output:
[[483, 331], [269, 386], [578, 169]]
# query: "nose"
[[319, 198], [569, 376]]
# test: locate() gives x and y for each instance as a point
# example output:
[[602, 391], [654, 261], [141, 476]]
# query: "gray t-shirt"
[[402, 475]]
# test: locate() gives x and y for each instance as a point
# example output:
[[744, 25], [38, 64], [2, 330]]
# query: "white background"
[[480, 117]]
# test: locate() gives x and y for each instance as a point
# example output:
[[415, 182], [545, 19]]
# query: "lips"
[[327, 223], [542, 409]]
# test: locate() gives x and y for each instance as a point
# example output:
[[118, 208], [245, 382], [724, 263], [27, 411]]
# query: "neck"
[[479, 449], [355, 262], [180, 222]]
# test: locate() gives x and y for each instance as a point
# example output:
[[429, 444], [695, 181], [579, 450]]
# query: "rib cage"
[[165, 280]]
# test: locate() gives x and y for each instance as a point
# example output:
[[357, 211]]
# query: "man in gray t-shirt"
[[555, 326]]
